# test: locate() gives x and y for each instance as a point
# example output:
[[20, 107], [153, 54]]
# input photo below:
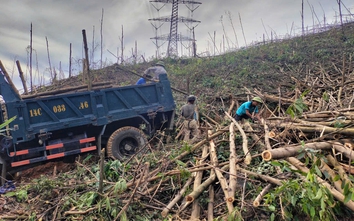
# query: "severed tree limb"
[[197, 182], [254, 136], [326, 169], [260, 196], [211, 203], [299, 165], [221, 178], [233, 156], [231, 106], [318, 129], [339, 169], [263, 177], [248, 156], [348, 153], [131, 196], [203, 186], [199, 144], [166, 210], [290, 151], [64, 90]]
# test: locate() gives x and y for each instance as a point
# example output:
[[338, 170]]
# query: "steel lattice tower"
[[173, 37]]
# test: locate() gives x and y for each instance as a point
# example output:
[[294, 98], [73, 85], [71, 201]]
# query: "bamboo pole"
[[289, 151]]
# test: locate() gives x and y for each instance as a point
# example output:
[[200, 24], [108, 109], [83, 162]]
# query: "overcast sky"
[[62, 23]]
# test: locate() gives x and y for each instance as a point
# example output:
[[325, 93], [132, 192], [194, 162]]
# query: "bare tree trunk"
[[248, 157], [102, 37], [211, 203], [340, 15], [233, 28], [50, 65], [290, 151], [243, 32], [89, 83], [70, 55], [22, 76], [222, 180], [92, 59], [30, 58], [197, 182], [122, 47], [233, 171], [302, 18]]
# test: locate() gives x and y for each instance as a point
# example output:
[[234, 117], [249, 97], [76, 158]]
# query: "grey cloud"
[[62, 23]]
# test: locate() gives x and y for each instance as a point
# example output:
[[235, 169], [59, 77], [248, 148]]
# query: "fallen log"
[[211, 203], [221, 178], [197, 182], [232, 159], [314, 129], [248, 157], [290, 151]]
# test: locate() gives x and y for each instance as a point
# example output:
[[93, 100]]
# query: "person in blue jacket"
[[143, 79], [249, 110]]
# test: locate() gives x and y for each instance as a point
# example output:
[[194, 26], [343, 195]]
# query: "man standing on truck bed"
[[190, 125], [156, 70]]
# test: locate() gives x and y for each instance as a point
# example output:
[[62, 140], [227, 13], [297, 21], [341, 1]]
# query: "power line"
[[173, 37]]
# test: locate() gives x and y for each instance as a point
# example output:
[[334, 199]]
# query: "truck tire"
[[125, 142]]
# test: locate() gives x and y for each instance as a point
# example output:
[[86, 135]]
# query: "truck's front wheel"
[[125, 142]]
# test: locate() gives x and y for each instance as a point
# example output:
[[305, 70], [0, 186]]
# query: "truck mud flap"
[[51, 156]]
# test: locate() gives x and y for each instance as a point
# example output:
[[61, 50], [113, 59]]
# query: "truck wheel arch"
[[125, 142]]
